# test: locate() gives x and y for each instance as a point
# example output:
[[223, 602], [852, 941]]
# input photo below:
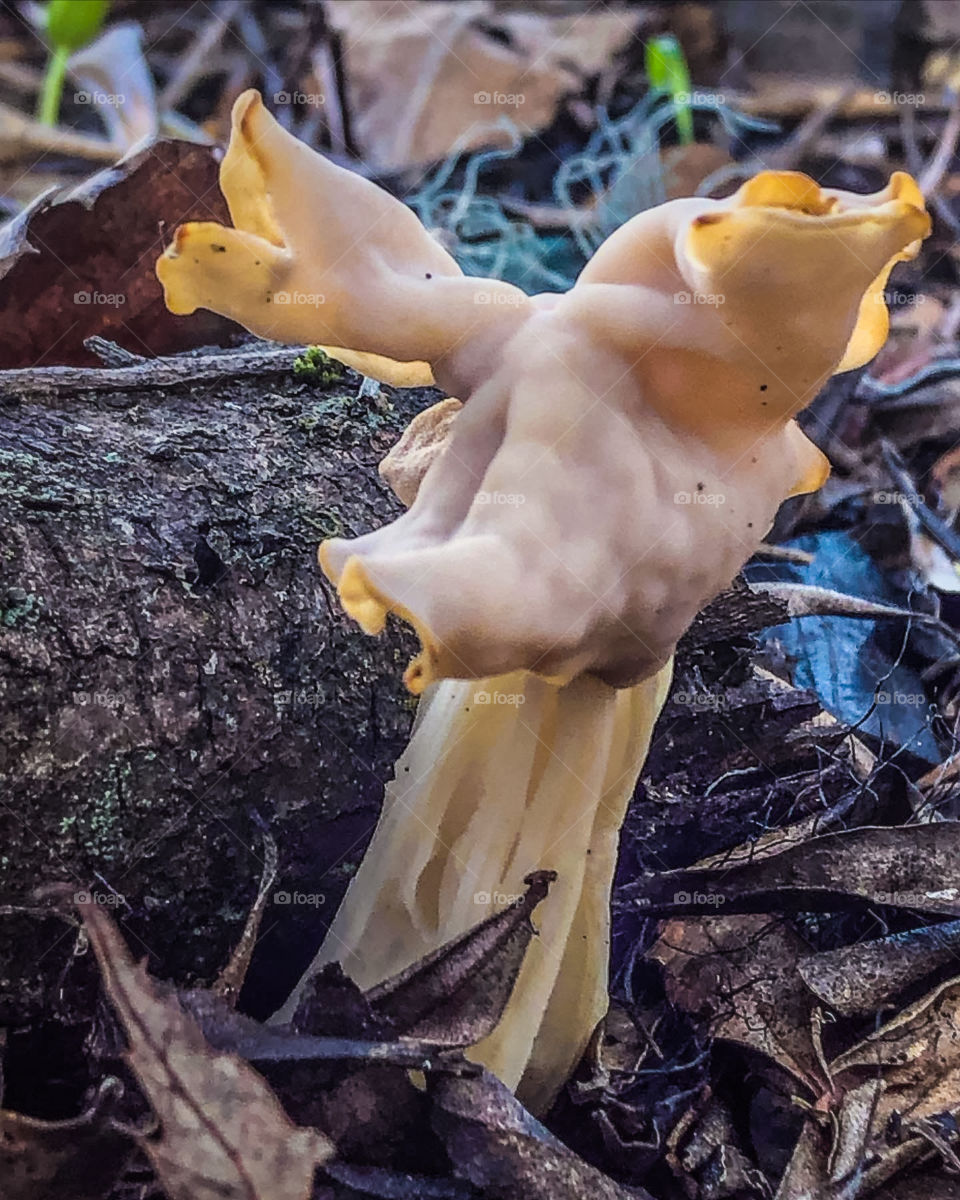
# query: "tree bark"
[[175, 675]]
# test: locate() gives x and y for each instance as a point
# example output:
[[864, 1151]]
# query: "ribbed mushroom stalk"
[[621, 452]]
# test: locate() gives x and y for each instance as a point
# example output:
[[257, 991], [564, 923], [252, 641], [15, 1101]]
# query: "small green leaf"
[[667, 72], [70, 24]]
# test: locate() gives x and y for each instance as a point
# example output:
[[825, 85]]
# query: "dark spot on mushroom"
[[763, 387], [218, 249], [429, 276], [699, 487], [749, 524]]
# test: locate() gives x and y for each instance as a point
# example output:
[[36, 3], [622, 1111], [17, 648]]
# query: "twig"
[[802, 558], [53, 382], [933, 173], [911, 149], [197, 59], [110, 353], [938, 529], [805, 600], [21, 137], [231, 978]]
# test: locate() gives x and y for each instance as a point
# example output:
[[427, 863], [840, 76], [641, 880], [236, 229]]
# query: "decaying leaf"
[[862, 977], [75, 265], [235, 1033], [917, 1055], [926, 1185], [893, 1098], [496, 1145], [77, 1159], [452, 69], [449, 1000], [740, 972], [381, 1184], [456, 996], [222, 1133], [906, 867], [711, 1155], [806, 1176]]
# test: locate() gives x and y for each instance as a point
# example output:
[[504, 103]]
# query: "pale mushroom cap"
[[631, 449], [624, 447]]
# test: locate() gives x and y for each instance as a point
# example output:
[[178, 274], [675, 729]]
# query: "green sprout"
[[667, 71], [68, 25]]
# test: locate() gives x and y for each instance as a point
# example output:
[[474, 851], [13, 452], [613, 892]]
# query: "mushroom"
[[621, 451]]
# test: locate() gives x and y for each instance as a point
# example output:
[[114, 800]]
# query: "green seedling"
[[68, 25], [667, 72]]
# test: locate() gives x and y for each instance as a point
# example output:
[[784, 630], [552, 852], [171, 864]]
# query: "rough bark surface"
[[174, 674]]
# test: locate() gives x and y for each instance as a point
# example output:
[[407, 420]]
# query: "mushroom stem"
[[503, 776]]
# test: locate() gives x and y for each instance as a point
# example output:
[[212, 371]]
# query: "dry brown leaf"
[[81, 263], [917, 1054], [904, 867], [806, 1176], [223, 1134], [456, 995], [78, 1159], [741, 973], [860, 978], [495, 1144], [451, 68]]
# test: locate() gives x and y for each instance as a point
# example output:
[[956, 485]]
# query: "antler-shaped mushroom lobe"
[[319, 254], [806, 263]]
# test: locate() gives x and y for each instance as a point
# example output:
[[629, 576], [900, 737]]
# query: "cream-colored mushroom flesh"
[[621, 451]]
